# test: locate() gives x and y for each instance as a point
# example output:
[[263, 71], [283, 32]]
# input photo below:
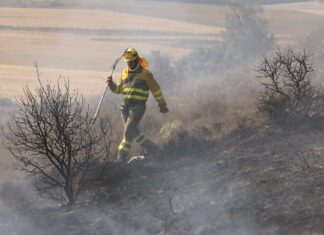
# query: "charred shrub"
[[52, 138], [288, 93]]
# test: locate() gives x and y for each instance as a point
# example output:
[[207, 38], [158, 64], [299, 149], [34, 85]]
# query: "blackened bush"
[[52, 138], [288, 92]]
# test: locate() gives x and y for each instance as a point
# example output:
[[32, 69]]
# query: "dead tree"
[[52, 139], [286, 78]]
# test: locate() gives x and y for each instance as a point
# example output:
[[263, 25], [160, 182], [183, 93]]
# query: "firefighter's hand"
[[163, 108], [110, 81]]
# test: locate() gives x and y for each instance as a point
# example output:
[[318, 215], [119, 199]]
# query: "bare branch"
[[286, 77], [51, 137]]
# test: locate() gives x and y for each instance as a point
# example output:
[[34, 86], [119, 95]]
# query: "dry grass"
[[76, 54], [15, 78], [298, 6], [294, 20], [316, 12], [85, 56], [95, 19]]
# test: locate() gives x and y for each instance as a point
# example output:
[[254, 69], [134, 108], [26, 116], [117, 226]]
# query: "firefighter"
[[135, 83]]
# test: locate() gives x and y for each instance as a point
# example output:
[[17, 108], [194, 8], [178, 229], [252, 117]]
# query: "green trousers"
[[131, 116]]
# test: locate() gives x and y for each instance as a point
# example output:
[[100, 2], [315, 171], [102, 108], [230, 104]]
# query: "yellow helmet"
[[130, 54]]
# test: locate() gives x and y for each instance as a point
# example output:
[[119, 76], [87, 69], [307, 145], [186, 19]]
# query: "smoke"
[[149, 201], [18, 201], [204, 199]]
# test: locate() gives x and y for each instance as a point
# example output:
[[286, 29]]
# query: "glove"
[[110, 81], [163, 108]]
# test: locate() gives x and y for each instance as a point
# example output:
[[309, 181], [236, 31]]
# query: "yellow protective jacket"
[[135, 86]]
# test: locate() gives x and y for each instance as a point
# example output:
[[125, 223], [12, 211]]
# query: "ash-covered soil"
[[261, 180]]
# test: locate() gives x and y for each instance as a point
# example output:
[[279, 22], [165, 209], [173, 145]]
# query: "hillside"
[[241, 148], [261, 180]]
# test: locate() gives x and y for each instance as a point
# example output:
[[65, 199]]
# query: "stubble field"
[[81, 44]]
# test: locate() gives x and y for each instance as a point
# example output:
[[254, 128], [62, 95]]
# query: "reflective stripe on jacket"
[[135, 86]]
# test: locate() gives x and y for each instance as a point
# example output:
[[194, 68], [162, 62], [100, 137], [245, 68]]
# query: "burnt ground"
[[261, 180]]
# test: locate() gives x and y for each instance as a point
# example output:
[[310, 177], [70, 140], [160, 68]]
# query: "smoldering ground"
[[239, 185], [143, 203]]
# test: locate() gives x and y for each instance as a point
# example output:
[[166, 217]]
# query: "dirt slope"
[[254, 181]]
